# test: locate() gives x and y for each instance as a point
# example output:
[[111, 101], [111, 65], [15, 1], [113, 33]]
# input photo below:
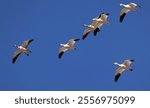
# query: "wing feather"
[[71, 42], [62, 51], [123, 13], [96, 30], [118, 73], [98, 25], [104, 17], [16, 55], [86, 32], [26, 43], [128, 62]]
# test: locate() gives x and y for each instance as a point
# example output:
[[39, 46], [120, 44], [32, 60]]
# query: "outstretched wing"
[[62, 51], [86, 32], [98, 25], [16, 55], [26, 43], [118, 73], [123, 13], [104, 16], [128, 62], [71, 42], [96, 30]]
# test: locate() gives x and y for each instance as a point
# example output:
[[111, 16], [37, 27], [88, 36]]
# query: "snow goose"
[[22, 49], [68, 46], [123, 67], [96, 24], [126, 9]]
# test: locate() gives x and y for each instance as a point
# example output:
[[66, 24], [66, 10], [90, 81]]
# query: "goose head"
[[62, 45], [122, 4], [85, 25], [116, 64]]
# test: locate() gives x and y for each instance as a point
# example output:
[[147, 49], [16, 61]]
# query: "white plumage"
[[122, 68], [96, 24], [22, 49], [68, 46], [126, 9]]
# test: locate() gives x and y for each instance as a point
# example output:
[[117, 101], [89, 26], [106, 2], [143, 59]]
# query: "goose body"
[[68, 46], [22, 49], [96, 24], [126, 9], [122, 68]]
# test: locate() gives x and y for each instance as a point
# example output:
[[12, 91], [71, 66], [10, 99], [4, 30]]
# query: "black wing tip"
[[76, 39], [107, 13], [84, 36], [122, 17], [132, 60], [104, 13], [131, 69], [100, 15], [60, 54], [96, 30], [31, 40], [27, 54], [15, 58], [117, 77], [13, 62]]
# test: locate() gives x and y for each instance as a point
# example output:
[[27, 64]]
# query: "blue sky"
[[90, 67]]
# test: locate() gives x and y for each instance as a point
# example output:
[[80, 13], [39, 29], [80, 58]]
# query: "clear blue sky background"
[[51, 22]]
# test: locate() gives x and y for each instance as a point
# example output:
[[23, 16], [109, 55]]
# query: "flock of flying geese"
[[95, 27]]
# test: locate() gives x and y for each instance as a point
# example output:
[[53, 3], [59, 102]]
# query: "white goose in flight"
[[123, 67], [96, 24], [22, 49], [68, 46], [126, 9]]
